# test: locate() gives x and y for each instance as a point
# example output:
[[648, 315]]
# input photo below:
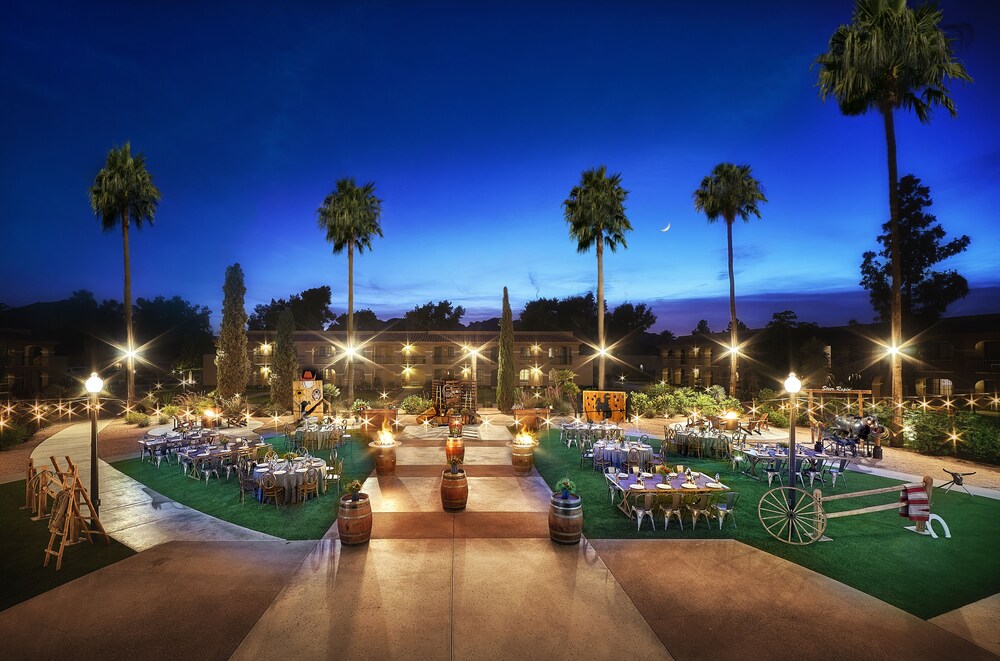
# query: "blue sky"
[[474, 120]]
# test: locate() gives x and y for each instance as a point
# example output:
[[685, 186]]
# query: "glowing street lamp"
[[792, 387], [94, 386]]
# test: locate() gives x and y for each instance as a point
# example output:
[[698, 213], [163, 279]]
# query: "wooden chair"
[[309, 486], [247, 484], [694, 445], [634, 461], [269, 488], [334, 473]]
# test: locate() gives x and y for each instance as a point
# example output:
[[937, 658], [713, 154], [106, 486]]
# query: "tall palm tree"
[[350, 215], [891, 57], [728, 192], [595, 211], [123, 194]]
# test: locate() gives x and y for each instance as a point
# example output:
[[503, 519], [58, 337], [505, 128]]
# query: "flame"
[[731, 415], [384, 436], [524, 438]]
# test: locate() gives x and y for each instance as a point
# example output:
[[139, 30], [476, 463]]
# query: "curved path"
[[131, 512]]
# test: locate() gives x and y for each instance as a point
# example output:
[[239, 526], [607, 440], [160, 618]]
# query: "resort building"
[[412, 359], [957, 355]]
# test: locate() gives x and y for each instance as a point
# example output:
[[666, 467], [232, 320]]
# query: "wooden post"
[[929, 488]]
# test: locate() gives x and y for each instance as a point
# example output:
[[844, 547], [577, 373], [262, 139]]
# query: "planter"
[[528, 419], [522, 458], [454, 448], [455, 426], [354, 520], [385, 460], [565, 519], [454, 490]]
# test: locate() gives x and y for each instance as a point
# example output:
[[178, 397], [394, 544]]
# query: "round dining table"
[[617, 453], [290, 474]]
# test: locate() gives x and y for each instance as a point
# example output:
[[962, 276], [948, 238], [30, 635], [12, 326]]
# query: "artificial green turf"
[[22, 546], [221, 499], [870, 552]]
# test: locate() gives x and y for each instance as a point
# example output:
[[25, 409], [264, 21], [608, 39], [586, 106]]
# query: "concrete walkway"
[[484, 583], [131, 512]]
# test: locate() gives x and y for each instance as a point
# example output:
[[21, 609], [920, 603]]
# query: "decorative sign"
[[307, 395], [601, 405]]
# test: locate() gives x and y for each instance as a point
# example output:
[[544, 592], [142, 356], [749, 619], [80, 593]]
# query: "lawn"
[[870, 552], [308, 520], [21, 552]]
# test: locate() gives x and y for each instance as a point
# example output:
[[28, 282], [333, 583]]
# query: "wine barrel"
[[454, 448], [454, 490], [521, 459], [565, 519], [354, 520], [385, 461]]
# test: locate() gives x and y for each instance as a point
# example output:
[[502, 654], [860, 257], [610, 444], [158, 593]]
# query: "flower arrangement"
[[567, 486], [454, 465], [353, 488]]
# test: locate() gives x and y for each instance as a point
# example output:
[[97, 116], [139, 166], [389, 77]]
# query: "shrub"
[[14, 433], [136, 418], [414, 404], [977, 437], [360, 405], [170, 410], [331, 392], [641, 404]]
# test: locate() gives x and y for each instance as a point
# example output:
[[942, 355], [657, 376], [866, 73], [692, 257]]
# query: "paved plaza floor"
[[486, 583]]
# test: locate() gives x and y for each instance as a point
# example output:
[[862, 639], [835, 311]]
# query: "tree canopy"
[[311, 309], [434, 316], [364, 319], [925, 293]]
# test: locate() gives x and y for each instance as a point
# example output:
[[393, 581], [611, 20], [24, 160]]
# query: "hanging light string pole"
[[94, 386], [792, 387]]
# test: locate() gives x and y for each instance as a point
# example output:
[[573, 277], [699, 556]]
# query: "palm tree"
[[123, 194], [350, 215], [728, 192], [595, 211], [890, 57]]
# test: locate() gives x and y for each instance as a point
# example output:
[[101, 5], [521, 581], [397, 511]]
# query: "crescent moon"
[[665, 228]]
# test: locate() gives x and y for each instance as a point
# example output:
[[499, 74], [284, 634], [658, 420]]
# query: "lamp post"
[[94, 385], [792, 387]]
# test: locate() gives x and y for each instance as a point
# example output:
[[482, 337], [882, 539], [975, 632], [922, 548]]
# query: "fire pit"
[[522, 450], [385, 450]]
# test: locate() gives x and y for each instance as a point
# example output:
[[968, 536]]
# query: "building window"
[[524, 375]]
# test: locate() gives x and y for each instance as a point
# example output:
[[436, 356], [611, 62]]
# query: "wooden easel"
[[68, 521]]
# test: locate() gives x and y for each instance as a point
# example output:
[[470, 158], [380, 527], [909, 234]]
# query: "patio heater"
[[94, 386]]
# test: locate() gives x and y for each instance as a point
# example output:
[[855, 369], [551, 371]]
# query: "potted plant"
[[454, 488], [354, 519], [454, 423], [567, 486], [565, 513], [354, 488]]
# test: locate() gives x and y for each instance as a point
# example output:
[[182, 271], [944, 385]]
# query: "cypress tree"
[[286, 362], [506, 383], [231, 353]]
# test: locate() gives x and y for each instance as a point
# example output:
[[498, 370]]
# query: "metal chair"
[[773, 470], [642, 507], [723, 505], [673, 508], [697, 506], [586, 452], [836, 468]]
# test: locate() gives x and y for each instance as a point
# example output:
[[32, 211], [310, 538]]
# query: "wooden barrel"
[[385, 461], [521, 459], [454, 490], [354, 520], [565, 518], [454, 448]]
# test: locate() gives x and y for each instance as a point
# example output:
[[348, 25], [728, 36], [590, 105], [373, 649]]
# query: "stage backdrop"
[[600, 405]]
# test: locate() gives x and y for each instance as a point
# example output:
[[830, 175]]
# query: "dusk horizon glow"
[[474, 123]]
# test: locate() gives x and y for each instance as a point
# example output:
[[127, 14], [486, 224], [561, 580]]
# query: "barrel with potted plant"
[[354, 518], [454, 488], [565, 514]]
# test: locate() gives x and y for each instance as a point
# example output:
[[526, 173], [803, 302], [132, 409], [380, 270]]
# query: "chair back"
[[267, 481], [312, 477]]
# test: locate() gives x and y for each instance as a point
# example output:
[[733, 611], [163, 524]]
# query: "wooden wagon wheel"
[[800, 524]]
